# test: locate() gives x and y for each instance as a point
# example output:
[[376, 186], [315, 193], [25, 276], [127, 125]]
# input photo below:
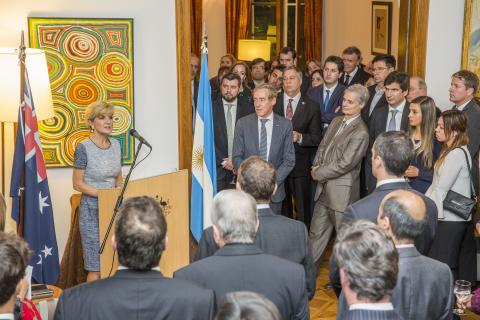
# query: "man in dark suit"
[[259, 72], [276, 235], [392, 154], [382, 66], [307, 133], [424, 287], [353, 72], [138, 290], [275, 77], [241, 266], [267, 135], [227, 109], [288, 58], [393, 117], [329, 95], [462, 91], [336, 168], [14, 257], [368, 264]]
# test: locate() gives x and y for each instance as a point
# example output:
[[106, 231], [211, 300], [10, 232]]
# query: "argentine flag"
[[204, 175]]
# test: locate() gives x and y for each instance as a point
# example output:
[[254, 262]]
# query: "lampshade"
[[36, 65], [252, 49]]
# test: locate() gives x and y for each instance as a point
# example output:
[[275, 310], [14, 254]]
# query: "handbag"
[[458, 204]]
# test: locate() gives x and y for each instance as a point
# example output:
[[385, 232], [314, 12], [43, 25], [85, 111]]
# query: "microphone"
[[135, 134]]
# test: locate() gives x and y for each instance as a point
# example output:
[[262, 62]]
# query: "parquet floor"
[[324, 304]]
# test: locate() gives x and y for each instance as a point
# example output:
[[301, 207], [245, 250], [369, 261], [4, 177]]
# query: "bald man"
[[424, 288], [418, 88]]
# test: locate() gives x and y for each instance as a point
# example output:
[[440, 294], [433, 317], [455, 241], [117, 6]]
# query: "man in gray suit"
[[462, 91], [277, 235], [267, 135], [424, 287], [368, 265], [241, 266], [138, 290], [336, 168]]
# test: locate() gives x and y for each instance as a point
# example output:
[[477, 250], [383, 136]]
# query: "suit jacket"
[[282, 152], [195, 93], [366, 110], [360, 77], [472, 110], [244, 267], [378, 125], [339, 158], [136, 295], [367, 209], [277, 235], [307, 121], [424, 287], [220, 132], [336, 100], [371, 315]]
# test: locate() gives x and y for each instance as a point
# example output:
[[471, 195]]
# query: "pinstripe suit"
[[372, 315]]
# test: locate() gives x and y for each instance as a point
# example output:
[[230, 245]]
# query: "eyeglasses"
[[379, 69]]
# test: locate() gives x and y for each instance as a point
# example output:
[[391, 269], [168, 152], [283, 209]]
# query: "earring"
[[92, 129]]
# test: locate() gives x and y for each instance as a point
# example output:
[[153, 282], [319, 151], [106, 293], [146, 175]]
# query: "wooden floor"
[[324, 304]]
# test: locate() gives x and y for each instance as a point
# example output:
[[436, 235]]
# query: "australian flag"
[[31, 202]]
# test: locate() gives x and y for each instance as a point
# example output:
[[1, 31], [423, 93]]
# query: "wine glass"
[[462, 291]]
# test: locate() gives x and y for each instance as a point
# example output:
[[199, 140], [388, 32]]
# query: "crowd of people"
[[345, 151]]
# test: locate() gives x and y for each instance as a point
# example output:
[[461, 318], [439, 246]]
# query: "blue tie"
[[263, 140], [326, 100]]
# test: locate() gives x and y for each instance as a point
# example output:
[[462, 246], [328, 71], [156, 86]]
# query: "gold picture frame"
[[381, 42], [471, 38]]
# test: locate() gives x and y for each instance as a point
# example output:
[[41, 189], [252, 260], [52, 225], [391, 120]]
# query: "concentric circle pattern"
[[122, 120], [61, 124], [73, 139], [81, 45], [114, 70], [57, 68], [82, 90]]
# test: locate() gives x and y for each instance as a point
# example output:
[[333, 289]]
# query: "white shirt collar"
[[6, 316], [269, 117], [381, 183], [234, 102], [388, 306], [262, 206], [463, 105], [330, 89], [120, 267], [295, 99], [399, 108], [401, 246], [352, 119]]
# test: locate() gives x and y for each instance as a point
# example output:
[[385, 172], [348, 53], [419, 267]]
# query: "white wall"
[[444, 47], [214, 16], [349, 22], [154, 75]]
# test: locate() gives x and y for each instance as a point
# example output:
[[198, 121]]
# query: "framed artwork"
[[381, 27], [88, 60], [471, 38]]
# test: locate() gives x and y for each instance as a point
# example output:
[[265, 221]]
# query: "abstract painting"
[[88, 60], [381, 27], [471, 38]]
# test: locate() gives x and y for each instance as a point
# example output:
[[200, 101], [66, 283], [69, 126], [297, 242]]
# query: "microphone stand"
[[120, 199]]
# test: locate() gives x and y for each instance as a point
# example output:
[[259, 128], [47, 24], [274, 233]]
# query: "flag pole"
[[21, 59]]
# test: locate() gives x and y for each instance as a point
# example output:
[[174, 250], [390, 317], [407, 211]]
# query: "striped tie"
[[263, 140]]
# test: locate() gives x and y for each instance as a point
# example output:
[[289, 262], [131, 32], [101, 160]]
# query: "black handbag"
[[459, 204]]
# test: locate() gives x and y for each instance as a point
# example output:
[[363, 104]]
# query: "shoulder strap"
[[474, 196]]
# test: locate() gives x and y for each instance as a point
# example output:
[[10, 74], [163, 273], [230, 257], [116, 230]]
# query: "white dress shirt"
[[381, 183], [388, 306], [350, 75], [269, 127], [325, 92], [233, 111], [398, 115], [463, 105]]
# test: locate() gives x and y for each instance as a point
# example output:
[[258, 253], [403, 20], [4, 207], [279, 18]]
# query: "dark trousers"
[[454, 244], [297, 190], [226, 181]]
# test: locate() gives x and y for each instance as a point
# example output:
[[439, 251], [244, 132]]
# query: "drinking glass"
[[462, 291]]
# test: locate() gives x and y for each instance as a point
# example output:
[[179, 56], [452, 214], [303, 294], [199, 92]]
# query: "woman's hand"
[[411, 172], [465, 304]]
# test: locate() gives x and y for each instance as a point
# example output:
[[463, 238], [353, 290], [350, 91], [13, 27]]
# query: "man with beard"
[[275, 77], [227, 109]]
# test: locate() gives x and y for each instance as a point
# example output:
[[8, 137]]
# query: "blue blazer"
[[336, 100]]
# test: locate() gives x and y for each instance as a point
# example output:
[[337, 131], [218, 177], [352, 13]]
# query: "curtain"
[[313, 29], [237, 21], [196, 25]]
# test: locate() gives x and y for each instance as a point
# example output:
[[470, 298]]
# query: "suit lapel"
[[254, 128], [298, 111], [273, 140], [404, 122], [383, 119], [333, 98]]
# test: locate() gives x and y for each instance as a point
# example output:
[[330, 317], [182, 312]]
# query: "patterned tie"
[[326, 100], [455, 107], [392, 125], [347, 79], [263, 140], [342, 126], [229, 129], [289, 113]]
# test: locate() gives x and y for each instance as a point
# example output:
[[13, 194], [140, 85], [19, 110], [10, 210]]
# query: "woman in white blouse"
[[454, 243]]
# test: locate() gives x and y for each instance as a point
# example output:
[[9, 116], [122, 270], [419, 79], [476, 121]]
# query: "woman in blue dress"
[[97, 165], [422, 122]]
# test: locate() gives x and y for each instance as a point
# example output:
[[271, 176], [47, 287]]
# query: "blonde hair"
[[272, 93], [96, 109]]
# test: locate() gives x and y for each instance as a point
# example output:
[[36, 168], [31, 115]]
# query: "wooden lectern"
[[171, 191]]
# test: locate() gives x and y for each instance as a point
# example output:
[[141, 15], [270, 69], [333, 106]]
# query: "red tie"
[[289, 113]]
